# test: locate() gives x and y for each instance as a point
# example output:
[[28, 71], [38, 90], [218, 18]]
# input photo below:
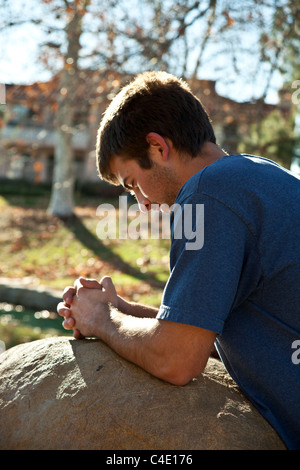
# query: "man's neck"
[[209, 154]]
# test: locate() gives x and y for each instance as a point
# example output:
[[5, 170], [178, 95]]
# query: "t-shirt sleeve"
[[208, 279]]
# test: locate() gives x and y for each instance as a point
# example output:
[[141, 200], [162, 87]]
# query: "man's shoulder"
[[239, 173], [230, 173], [239, 167], [244, 184]]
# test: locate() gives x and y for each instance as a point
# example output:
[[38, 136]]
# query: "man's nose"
[[144, 203], [145, 206]]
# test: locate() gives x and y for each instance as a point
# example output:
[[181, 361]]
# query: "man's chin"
[[165, 208], [160, 207]]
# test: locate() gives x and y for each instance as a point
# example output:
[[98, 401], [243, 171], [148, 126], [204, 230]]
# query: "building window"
[[18, 114]]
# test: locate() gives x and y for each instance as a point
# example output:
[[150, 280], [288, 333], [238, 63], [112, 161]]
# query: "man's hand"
[[168, 350], [70, 297]]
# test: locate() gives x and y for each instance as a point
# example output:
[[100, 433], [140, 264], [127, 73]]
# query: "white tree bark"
[[62, 195]]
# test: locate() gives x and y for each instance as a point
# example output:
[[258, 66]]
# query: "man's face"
[[155, 186]]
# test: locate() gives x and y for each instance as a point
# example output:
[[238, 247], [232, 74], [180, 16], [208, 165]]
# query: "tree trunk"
[[62, 195]]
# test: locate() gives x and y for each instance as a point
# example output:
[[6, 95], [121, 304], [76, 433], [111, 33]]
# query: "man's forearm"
[[168, 350], [136, 309], [134, 338]]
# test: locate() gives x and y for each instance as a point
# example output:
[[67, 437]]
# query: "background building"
[[28, 123]]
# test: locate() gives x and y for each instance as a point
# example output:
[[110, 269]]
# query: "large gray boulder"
[[61, 393]]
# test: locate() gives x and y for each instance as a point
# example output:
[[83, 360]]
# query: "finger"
[[90, 283], [107, 284], [68, 294], [77, 285], [63, 310], [77, 334], [68, 323]]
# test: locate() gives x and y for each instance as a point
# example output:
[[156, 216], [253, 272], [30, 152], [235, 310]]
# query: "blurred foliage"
[[273, 138]]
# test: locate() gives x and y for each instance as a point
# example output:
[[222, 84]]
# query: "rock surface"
[[60, 393]]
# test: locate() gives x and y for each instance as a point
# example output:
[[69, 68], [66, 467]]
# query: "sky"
[[19, 65], [19, 49]]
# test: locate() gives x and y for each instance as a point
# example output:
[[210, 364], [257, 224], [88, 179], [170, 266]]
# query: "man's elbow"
[[181, 375]]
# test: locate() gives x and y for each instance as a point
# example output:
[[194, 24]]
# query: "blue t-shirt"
[[241, 278]]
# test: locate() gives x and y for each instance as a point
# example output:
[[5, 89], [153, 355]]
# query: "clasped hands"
[[85, 303]]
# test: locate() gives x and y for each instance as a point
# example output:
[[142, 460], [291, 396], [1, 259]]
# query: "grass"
[[52, 253]]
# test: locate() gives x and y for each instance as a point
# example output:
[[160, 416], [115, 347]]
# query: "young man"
[[238, 289]]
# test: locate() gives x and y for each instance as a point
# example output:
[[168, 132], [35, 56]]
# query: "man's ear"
[[158, 143]]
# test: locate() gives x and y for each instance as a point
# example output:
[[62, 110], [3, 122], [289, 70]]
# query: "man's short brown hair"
[[153, 102]]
